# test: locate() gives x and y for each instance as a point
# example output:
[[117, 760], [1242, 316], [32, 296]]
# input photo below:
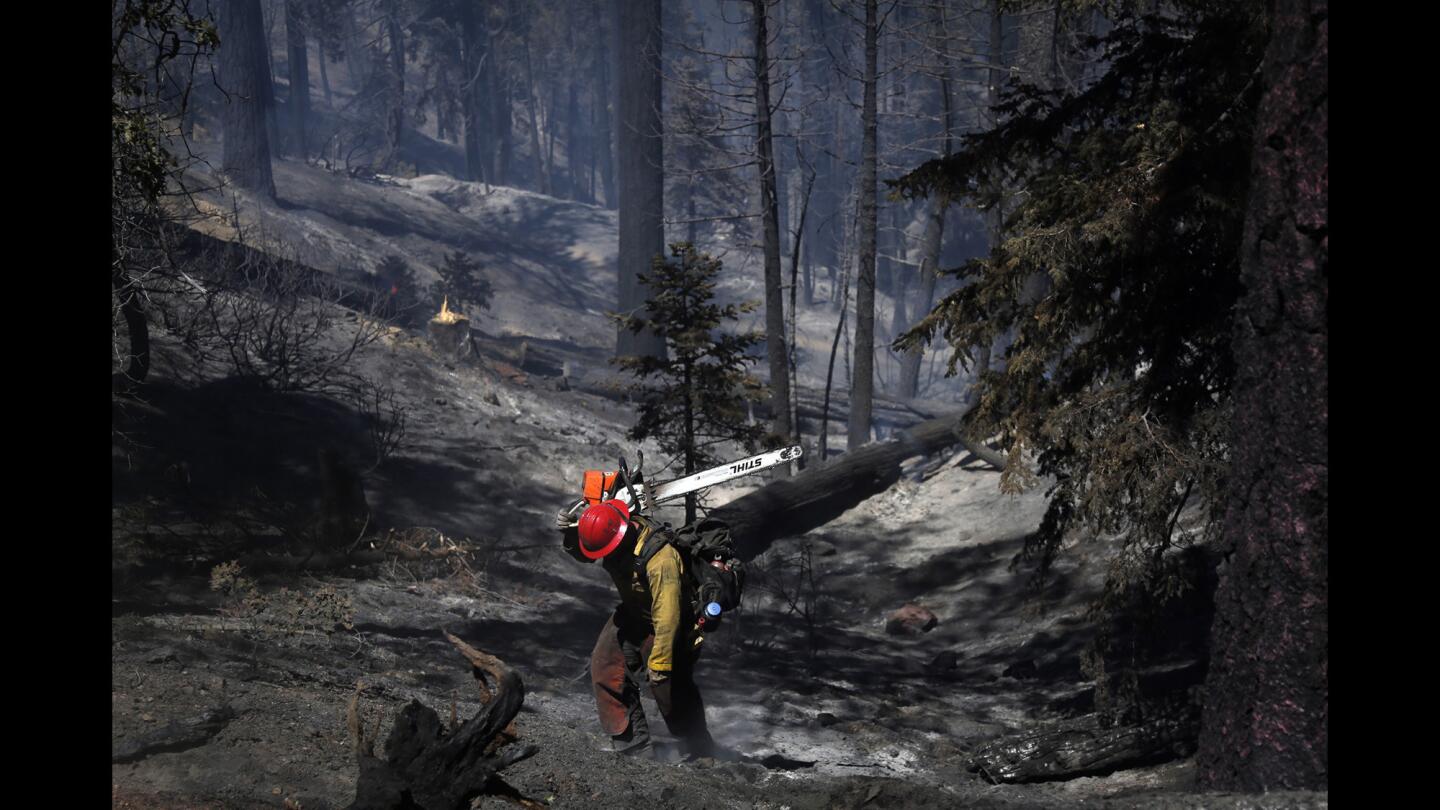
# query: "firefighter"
[[651, 637]]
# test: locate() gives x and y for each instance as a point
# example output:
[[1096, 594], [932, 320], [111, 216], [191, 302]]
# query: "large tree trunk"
[[1267, 708], [770, 215], [862, 385], [476, 67], [542, 176], [502, 119], [604, 140], [395, 127], [272, 117], [299, 59], [244, 75], [642, 181]]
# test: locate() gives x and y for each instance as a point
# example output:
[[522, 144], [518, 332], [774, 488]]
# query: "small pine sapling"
[[462, 285], [697, 396]]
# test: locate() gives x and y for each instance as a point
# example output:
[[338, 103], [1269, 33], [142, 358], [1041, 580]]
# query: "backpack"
[[713, 571]]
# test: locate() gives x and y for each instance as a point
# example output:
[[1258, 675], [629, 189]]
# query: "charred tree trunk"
[[1267, 707], [863, 383], [427, 767], [604, 140], [395, 128], [770, 214], [642, 181], [476, 66], [299, 59], [502, 119], [542, 176], [244, 75], [272, 117]]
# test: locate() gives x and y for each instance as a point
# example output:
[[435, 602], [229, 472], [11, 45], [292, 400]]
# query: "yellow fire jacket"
[[657, 599]]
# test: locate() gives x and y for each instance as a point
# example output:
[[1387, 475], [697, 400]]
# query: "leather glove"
[[562, 520], [660, 687]]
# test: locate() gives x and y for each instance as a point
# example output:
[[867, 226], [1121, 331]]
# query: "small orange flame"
[[446, 314]]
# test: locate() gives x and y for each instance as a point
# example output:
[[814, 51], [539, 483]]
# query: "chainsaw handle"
[[625, 473]]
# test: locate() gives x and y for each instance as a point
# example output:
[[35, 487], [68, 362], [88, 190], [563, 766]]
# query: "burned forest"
[[719, 403]]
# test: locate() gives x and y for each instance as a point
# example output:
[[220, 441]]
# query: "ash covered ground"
[[823, 707]]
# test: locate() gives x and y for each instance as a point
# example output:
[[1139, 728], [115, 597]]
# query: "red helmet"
[[602, 527]]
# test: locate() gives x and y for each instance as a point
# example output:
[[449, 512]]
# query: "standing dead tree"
[[428, 767]]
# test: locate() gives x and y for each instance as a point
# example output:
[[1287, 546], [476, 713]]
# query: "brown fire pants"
[[618, 670]]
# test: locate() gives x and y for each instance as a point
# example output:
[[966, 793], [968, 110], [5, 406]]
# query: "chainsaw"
[[638, 495]]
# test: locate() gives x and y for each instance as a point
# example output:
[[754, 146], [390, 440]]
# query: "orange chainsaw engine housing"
[[599, 486]]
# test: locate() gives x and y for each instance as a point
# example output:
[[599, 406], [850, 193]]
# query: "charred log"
[[1082, 747], [821, 492], [982, 451], [427, 767], [177, 735]]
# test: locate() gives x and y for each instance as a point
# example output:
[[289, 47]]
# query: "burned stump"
[[427, 767], [450, 334]]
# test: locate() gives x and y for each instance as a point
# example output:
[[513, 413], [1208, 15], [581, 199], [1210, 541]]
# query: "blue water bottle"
[[712, 615]]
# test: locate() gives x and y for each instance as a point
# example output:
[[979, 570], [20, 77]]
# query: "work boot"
[[632, 745]]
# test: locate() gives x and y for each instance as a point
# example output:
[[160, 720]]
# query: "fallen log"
[[177, 735], [819, 493], [1081, 747], [982, 451], [427, 767]]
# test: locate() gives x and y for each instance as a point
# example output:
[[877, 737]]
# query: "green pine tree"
[[696, 398], [1117, 376], [462, 283], [1113, 289]]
